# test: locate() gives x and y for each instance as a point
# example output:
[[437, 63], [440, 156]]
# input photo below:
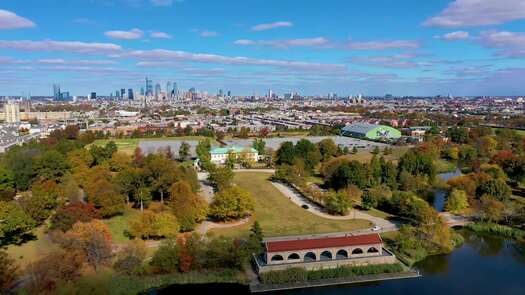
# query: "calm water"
[[483, 265], [440, 196]]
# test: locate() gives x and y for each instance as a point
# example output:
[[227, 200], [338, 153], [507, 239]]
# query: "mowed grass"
[[278, 216], [128, 145], [119, 225], [32, 250]]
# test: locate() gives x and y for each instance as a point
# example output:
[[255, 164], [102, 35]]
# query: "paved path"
[[455, 220], [206, 226], [313, 208]]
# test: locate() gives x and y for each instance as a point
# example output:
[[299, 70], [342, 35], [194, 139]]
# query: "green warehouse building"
[[371, 131]]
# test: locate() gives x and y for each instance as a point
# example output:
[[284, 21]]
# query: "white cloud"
[[454, 36], [382, 45], [60, 61], [305, 42], [398, 61], [10, 20], [66, 46], [207, 34], [269, 26], [509, 44], [132, 34], [160, 35], [465, 13], [170, 55]]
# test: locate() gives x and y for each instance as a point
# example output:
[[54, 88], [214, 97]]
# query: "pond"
[[440, 196], [483, 265]]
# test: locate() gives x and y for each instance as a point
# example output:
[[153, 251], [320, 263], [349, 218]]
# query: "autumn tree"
[[92, 239], [457, 200], [222, 177], [154, 225], [130, 259], [327, 148], [72, 213], [232, 203], [188, 207], [337, 203], [184, 151]]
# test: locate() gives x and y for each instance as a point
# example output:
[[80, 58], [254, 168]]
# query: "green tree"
[[327, 148], [497, 188], [222, 177], [285, 154], [52, 165], [309, 152], [203, 150], [348, 173], [7, 184], [456, 201], [232, 203], [337, 203], [166, 258], [259, 144], [15, 224], [184, 151], [255, 240], [491, 209]]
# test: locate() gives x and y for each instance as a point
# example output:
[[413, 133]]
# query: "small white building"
[[219, 155]]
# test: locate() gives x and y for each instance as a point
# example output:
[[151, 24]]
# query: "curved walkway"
[[206, 225], [313, 208]]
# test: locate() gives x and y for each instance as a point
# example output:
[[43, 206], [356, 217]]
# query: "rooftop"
[[323, 242], [234, 149]]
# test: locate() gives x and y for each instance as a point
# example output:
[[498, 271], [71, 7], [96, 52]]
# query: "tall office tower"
[[157, 90], [149, 87], [168, 89], [56, 92], [130, 94], [122, 93], [93, 95], [142, 91], [65, 95], [175, 89], [229, 93], [221, 93], [270, 93], [117, 94], [12, 112]]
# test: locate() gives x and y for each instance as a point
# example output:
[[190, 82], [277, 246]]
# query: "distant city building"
[[142, 91], [12, 112], [130, 94], [56, 92], [122, 92], [93, 95], [149, 87], [229, 93], [157, 90]]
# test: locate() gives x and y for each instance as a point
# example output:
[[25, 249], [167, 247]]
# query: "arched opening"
[[277, 258], [310, 256], [293, 256], [341, 254], [357, 251], [326, 255], [372, 250]]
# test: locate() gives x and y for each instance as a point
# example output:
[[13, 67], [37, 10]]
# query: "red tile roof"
[[317, 243]]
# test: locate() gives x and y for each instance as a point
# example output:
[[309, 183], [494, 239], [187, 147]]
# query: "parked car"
[[304, 206], [376, 228]]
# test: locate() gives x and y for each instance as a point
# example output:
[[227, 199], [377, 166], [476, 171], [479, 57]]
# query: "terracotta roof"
[[328, 242]]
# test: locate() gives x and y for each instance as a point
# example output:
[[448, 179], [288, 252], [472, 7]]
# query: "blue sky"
[[403, 47]]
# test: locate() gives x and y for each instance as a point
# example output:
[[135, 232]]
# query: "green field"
[[118, 225], [278, 216], [128, 145]]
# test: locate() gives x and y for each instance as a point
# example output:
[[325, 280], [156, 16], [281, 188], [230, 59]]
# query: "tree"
[[259, 144], [375, 151], [232, 203], [308, 151], [496, 188], [458, 134], [337, 203], [72, 213], [285, 154], [104, 196], [38, 206], [49, 272], [203, 150], [166, 258], [19, 160], [188, 207], [491, 209], [7, 184], [222, 177], [184, 151], [130, 259], [52, 165], [154, 225], [346, 174], [16, 225], [92, 239], [457, 201], [255, 240], [8, 272], [327, 148]]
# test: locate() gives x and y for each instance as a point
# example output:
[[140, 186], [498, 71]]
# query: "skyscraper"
[[157, 90], [93, 95], [122, 93], [175, 89], [56, 92], [168, 89], [130, 94], [149, 87]]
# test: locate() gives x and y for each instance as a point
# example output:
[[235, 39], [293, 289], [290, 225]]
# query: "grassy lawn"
[[278, 216], [32, 250], [378, 213], [128, 145], [119, 224]]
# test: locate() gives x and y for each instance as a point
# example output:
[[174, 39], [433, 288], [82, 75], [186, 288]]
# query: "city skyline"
[[461, 47]]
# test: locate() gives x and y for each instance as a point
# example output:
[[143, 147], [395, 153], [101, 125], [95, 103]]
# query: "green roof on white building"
[[234, 149]]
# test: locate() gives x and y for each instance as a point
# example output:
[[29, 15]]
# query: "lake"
[[483, 265], [440, 196]]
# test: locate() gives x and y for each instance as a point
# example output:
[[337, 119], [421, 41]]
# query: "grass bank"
[[496, 229]]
